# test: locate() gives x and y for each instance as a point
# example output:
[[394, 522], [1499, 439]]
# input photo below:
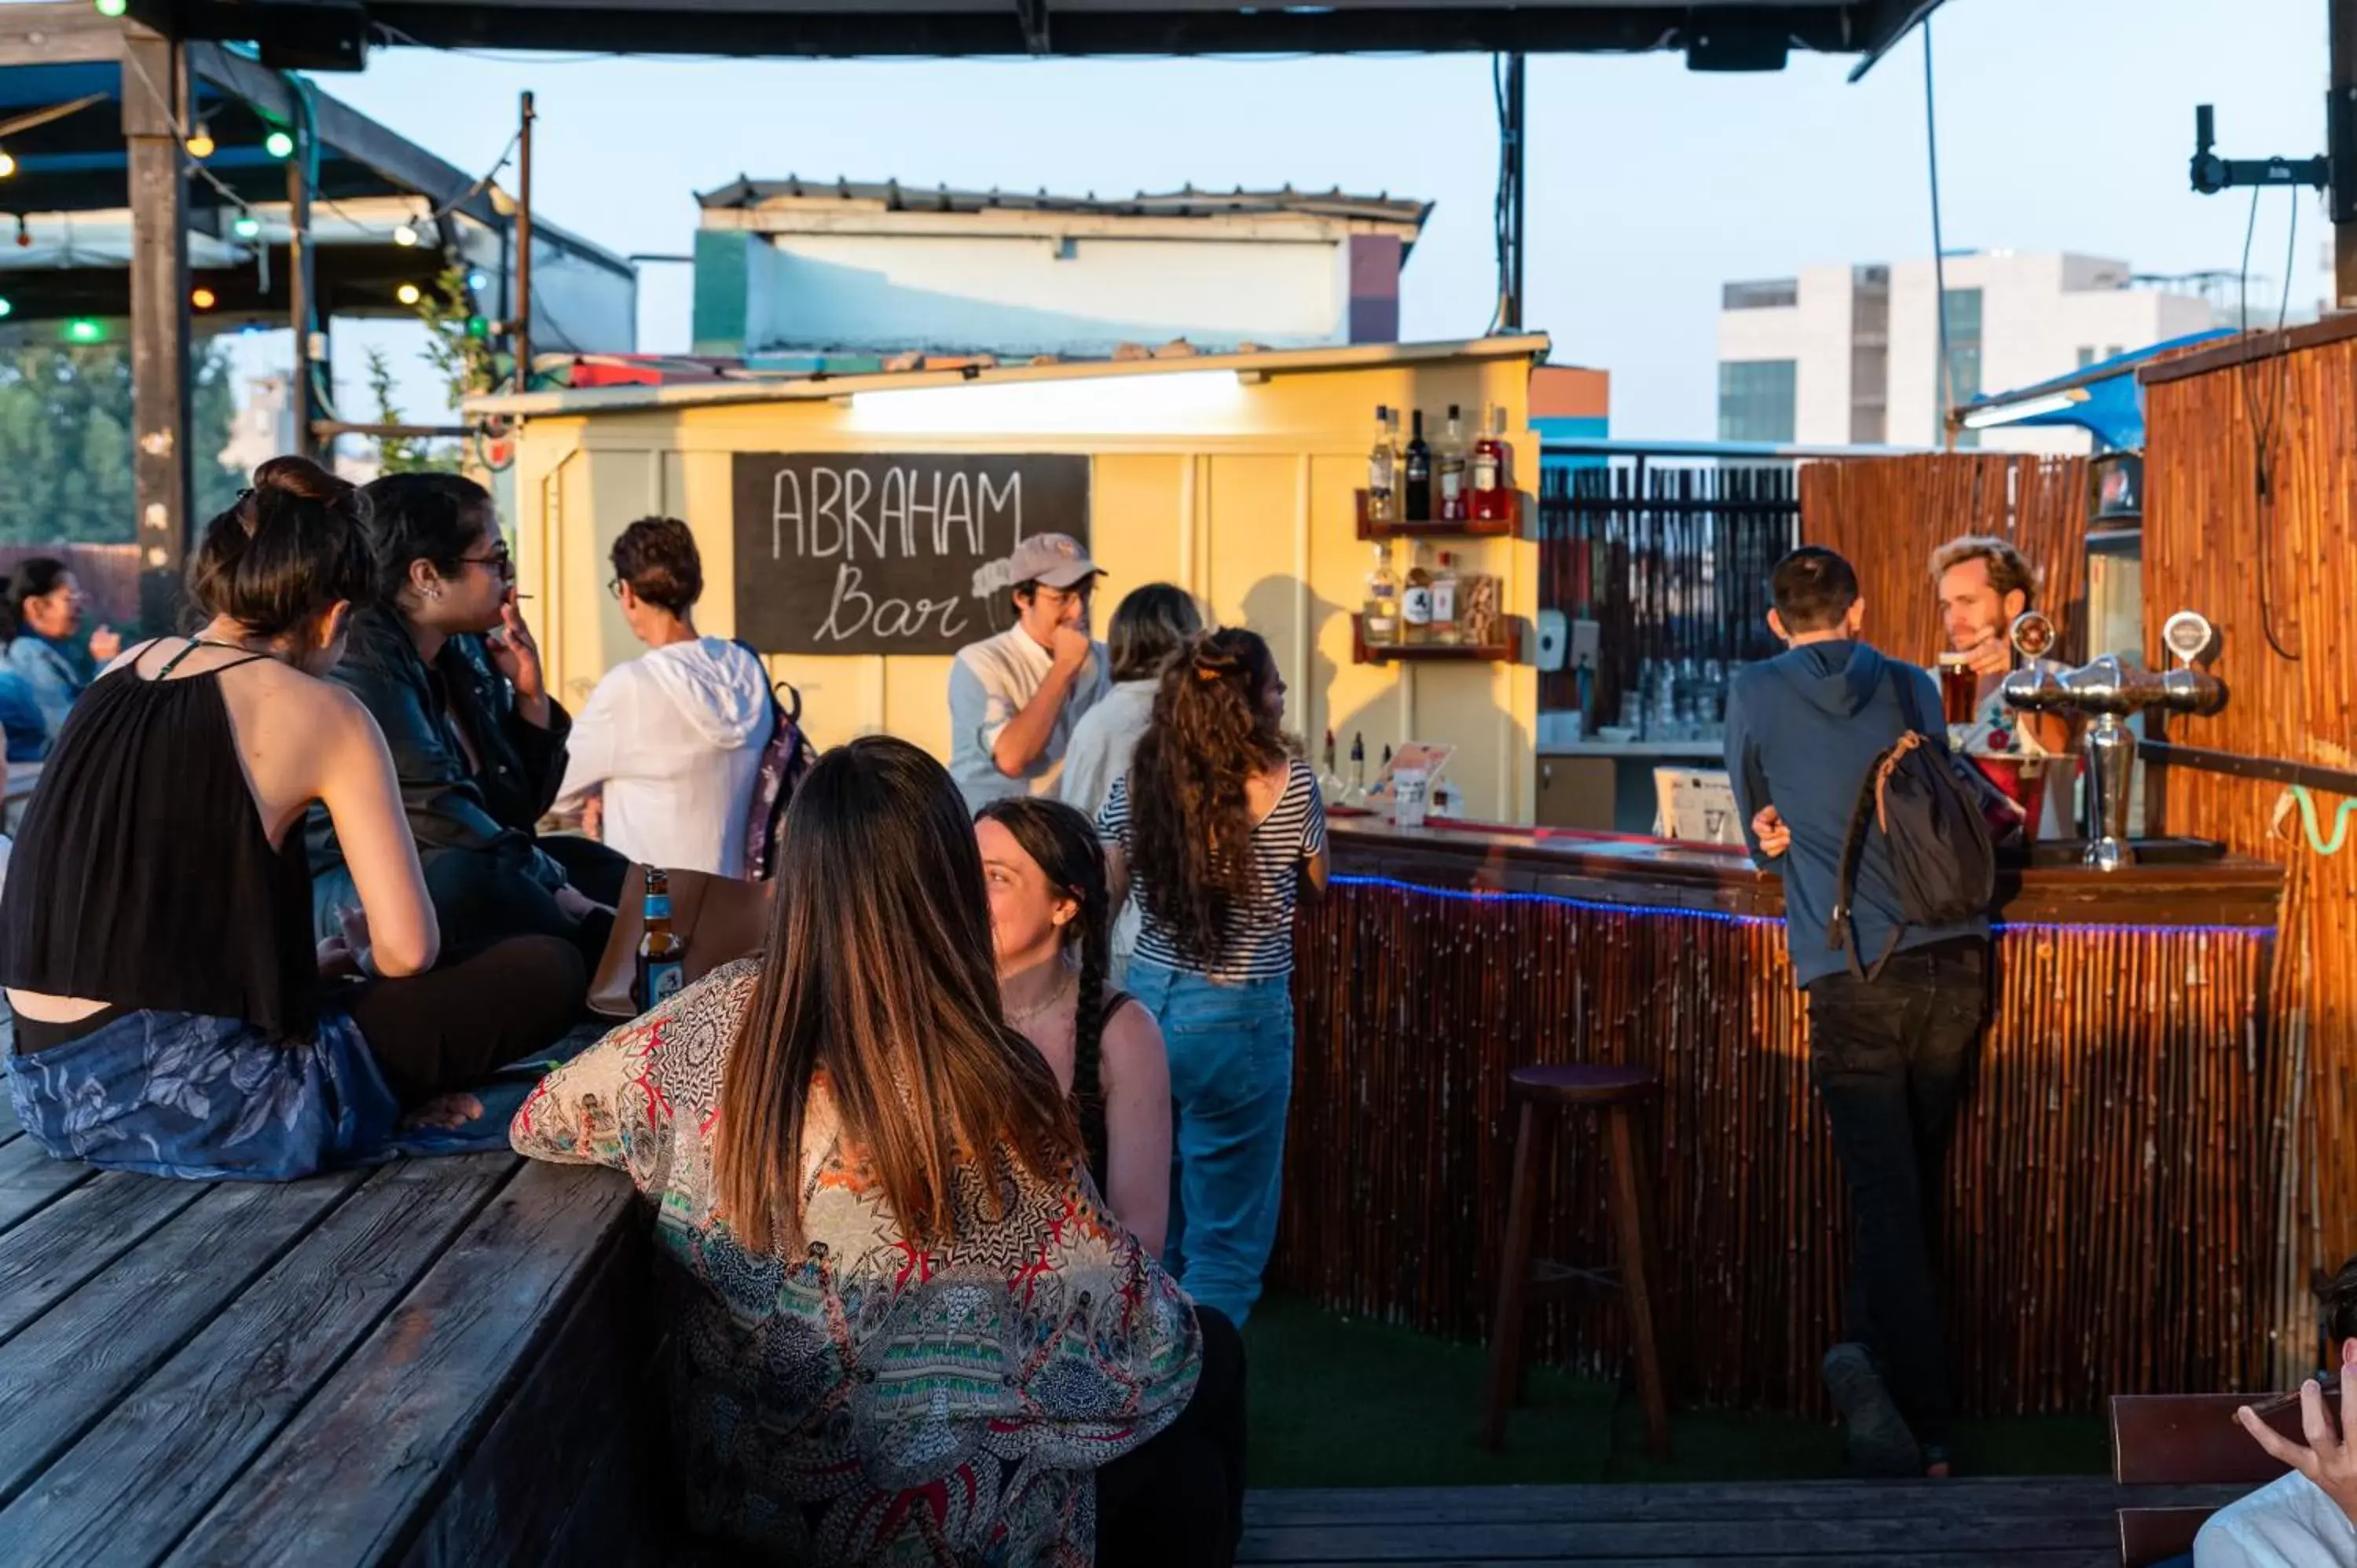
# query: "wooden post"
[[154, 87], [301, 304], [520, 327], [2341, 131]]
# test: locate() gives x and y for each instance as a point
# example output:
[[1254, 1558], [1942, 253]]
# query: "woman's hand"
[[516, 655], [593, 815], [2329, 1459], [347, 953], [105, 645]]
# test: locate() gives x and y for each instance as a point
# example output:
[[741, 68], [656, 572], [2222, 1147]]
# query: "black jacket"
[[414, 703]]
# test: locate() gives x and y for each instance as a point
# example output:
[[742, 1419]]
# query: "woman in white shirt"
[[662, 759]]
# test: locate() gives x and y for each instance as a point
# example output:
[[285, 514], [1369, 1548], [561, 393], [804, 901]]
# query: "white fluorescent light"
[[2014, 412], [1152, 403]]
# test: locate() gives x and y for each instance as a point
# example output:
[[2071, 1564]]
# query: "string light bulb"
[[200, 141], [203, 298], [246, 226], [82, 329], [6, 309], [404, 236], [8, 163], [408, 294], [113, 8], [278, 145], [23, 233]]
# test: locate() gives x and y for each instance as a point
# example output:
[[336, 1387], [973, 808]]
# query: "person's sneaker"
[[1879, 1442]]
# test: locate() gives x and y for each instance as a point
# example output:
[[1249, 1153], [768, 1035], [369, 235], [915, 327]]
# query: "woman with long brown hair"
[[908, 1332], [1219, 828]]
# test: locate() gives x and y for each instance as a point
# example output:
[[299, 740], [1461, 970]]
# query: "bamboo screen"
[[1888, 515], [2281, 560]]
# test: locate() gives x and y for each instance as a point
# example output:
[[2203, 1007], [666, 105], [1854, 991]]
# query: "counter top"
[[1610, 868]]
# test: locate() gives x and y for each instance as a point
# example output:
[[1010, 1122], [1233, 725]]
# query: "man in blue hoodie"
[[1890, 1050]]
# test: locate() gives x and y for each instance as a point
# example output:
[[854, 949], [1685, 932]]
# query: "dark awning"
[[1752, 36]]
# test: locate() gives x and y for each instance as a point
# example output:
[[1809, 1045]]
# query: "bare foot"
[[448, 1112]]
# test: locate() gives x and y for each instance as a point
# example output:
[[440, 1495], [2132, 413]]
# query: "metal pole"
[[160, 474], [2341, 146], [299, 304], [521, 326], [1510, 318], [1941, 394]]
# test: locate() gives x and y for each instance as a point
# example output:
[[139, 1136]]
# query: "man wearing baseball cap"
[[1015, 697]]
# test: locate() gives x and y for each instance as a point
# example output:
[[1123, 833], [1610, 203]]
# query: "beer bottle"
[[663, 957]]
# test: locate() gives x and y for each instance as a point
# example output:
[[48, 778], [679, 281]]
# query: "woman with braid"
[[1050, 920], [1219, 827]]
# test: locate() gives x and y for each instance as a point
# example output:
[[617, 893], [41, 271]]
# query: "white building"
[[843, 268], [1842, 355]]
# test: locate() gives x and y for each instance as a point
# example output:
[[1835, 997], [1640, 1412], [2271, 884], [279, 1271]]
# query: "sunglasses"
[[499, 560]]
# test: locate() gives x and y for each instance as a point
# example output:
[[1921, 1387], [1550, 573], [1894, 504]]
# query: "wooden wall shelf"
[[1503, 652], [1492, 528]]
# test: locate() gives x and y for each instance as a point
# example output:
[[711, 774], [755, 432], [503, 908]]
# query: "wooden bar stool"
[[1544, 1094]]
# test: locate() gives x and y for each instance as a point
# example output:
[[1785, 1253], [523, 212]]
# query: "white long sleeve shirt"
[[673, 739]]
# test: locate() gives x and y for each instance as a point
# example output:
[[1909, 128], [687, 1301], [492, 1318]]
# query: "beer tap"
[[2109, 690]]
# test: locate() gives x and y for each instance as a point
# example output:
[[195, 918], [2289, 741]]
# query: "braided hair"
[[1063, 844]]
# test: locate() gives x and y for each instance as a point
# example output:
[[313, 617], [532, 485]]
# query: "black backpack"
[[784, 759], [1928, 804]]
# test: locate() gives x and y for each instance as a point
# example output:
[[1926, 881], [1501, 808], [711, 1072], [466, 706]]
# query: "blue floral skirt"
[[179, 1094]]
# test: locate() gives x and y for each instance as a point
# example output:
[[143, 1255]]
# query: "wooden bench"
[[434, 1362], [2179, 1440]]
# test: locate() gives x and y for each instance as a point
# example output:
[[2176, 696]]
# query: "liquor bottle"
[[663, 957], [1415, 600], [1418, 471], [1330, 783], [1383, 470], [1450, 463], [1493, 488], [1356, 794], [1380, 626], [1446, 626]]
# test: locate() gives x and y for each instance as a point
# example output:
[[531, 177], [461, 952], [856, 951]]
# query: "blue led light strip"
[[1603, 906]]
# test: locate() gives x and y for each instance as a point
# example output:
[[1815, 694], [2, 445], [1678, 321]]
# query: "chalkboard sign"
[[873, 552]]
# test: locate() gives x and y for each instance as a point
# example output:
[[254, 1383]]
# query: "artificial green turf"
[[1337, 1401]]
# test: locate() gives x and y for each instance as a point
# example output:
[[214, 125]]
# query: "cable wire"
[[2264, 429], [1942, 384]]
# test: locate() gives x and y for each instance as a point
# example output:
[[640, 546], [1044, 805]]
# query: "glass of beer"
[[1959, 687]]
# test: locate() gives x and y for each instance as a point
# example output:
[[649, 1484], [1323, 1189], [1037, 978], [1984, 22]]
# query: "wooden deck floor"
[[378, 1366], [2057, 1523]]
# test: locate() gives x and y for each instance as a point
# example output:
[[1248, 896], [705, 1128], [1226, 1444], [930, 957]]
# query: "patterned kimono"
[[871, 1401]]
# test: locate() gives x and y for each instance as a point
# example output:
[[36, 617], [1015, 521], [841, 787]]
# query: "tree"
[[452, 347], [65, 443]]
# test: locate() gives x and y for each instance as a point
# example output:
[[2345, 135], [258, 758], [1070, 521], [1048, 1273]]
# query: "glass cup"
[[1960, 688]]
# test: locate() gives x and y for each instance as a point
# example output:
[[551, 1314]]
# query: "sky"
[[2063, 125]]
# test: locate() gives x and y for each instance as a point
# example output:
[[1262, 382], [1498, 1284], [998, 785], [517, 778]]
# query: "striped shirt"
[[1258, 943]]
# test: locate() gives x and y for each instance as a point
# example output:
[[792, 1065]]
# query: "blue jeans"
[[1230, 1049]]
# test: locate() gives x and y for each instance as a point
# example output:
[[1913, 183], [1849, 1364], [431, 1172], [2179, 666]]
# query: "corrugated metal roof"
[[894, 197]]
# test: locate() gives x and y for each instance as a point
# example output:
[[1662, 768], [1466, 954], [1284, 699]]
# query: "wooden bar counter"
[[2111, 1217]]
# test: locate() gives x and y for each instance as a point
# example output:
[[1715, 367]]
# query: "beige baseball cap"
[[1054, 560]]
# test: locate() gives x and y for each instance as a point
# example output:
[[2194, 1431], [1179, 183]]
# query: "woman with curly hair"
[[1218, 828]]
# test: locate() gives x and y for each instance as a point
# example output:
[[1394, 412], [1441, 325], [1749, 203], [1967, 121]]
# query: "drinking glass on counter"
[[1960, 688]]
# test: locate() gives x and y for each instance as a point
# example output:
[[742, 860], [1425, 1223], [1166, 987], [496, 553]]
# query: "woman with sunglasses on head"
[[444, 661]]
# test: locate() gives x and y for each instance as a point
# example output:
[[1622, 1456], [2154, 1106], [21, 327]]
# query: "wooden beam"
[[351, 134], [153, 99], [61, 34]]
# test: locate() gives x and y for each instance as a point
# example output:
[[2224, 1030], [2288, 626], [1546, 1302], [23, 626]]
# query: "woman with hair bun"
[[174, 1015], [1219, 828]]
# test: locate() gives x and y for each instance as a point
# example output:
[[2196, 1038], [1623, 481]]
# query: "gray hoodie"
[[1802, 730]]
